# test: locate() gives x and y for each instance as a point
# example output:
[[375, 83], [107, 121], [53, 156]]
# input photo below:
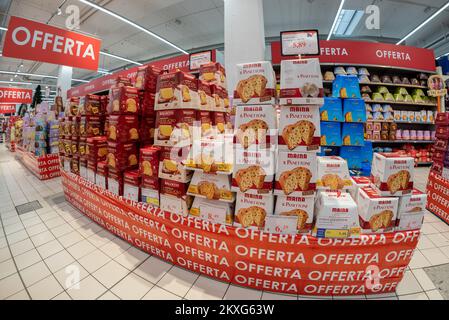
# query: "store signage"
[[200, 58], [7, 108], [346, 52], [213, 214], [44, 167], [30, 40], [16, 95], [295, 264], [300, 42], [437, 87], [438, 196]]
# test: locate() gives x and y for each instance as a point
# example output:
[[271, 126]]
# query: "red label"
[[16, 95], [7, 108], [30, 40], [438, 196]]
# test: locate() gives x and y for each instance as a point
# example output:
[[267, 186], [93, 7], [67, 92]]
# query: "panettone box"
[[299, 128], [211, 156], [253, 171], [91, 126], [147, 100], [90, 105], [302, 208], [206, 99], [91, 170], [176, 90], [171, 165], [411, 211], [97, 149], [173, 197], [131, 185], [149, 190], [256, 83], [124, 100], [217, 96], [204, 124], [173, 188], [149, 161], [252, 209], [256, 126], [296, 173], [219, 122], [333, 173], [358, 183], [301, 82], [123, 128], [377, 214], [83, 168], [211, 186], [392, 174], [147, 130], [174, 127], [101, 175], [115, 181], [336, 216], [213, 73], [213, 211], [122, 156], [146, 78]]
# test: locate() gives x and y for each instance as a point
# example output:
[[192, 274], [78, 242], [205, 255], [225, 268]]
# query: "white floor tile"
[[425, 243], [110, 274], [419, 261], [94, 261], [132, 287], [207, 289], [157, 293], [435, 256], [70, 239], [70, 275], [62, 296], [178, 281], [36, 229], [21, 247], [45, 289], [408, 285], [7, 268], [81, 249], [31, 222], [20, 296], [100, 239], [61, 230], [416, 296], [109, 296], [441, 226], [434, 295], [35, 273], [428, 228], [423, 279], [27, 259], [5, 254], [13, 228], [153, 269], [10, 286], [240, 293], [17, 237], [49, 249], [87, 289], [42, 238], [439, 240], [115, 247], [131, 258], [55, 222], [59, 261]]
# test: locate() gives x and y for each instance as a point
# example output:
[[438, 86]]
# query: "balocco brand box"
[[123, 128], [122, 156], [300, 207], [91, 170], [333, 174], [115, 182], [96, 149], [147, 130], [146, 78], [301, 82], [91, 126], [211, 187], [149, 161], [176, 90], [336, 216], [147, 100], [213, 73], [219, 122], [171, 164], [211, 156], [217, 96], [131, 185], [83, 168], [150, 191], [256, 126], [90, 105], [101, 175], [252, 209], [392, 174], [204, 120], [299, 128], [213, 211], [174, 197], [124, 100], [377, 214], [205, 96], [296, 173], [256, 83], [174, 127]]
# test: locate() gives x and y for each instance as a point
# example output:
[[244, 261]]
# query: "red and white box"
[[205, 97], [377, 214], [174, 197], [123, 128], [90, 105], [131, 185], [122, 156], [411, 211], [333, 174], [218, 98], [124, 100], [171, 165], [147, 130], [296, 174], [149, 161], [358, 183], [213, 211], [91, 171], [219, 122], [146, 78], [149, 190], [252, 209], [302, 208], [256, 83], [211, 187], [115, 182], [174, 127], [301, 82], [392, 174], [96, 149], [213, 73], [211, 156], [101, 175], [256, 126], [147, 100], [300, 128], [176, 90], [204, 120]]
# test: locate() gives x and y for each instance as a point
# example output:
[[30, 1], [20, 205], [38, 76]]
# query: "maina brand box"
[[256, 83], [413, 202], [213, 211], [300, 207], [176, 90], [333, 173], [252, 209], [332, 110], [358, 183], [124, 100], [392, 174], [301, 82], [296, 173]]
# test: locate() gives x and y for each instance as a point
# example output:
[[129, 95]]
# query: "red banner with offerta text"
[[44, 167], [16, 95], [438, 196], [279, 263], [7, 108]]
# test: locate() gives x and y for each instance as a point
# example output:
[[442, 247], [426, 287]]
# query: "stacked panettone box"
[[440, 150]]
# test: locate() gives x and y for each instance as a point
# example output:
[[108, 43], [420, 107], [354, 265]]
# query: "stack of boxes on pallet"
[[440, 150]]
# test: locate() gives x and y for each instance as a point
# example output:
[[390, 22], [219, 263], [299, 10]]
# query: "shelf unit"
[[403, 103], [411, 86], [402, 141]]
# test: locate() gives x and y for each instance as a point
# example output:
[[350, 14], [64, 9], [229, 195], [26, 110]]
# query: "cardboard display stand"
[[45, 167], [372, 264], [438, 196]]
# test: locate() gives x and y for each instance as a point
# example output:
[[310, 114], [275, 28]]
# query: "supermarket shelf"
[[420, 123], [385, 84], [402, 141], [424, 163], [403, 103]]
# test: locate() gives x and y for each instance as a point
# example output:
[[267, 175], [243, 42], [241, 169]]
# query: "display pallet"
[[44, 167], [438, 196], [287, 264]]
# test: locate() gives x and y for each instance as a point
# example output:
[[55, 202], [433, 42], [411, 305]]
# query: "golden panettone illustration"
[[291, 181], [252, 216], [324, 115], [185, 91], [347, 140], [166, 95], [310, 90], [348, 117], [209, 190], [132, 160], [333, 182], [147, 169], [139, 82], [296, 134], [323, 140], [252, 132], [170, 167], [116, 106], [165, 132], [249, 178], [381, 220], [203, 97], [112, 133], [134, 134], [111, 161], [254, 86], [398, 181], [131, 105], [102, 152], [221, 127], [302, 217]]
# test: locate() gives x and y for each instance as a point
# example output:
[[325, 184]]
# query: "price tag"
[[113, 186], [100, 181], [131, 192], [67, 166], [83, 172], [281, 224], [91, 175], [213, 214], [300, 42], [200, 58]]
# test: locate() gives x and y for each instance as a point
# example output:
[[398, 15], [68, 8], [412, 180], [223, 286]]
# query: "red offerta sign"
[[7, 108], [36, 41], [16, 95]]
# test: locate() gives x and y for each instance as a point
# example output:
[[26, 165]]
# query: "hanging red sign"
[[16, 95], [30, 40], [7, 108]]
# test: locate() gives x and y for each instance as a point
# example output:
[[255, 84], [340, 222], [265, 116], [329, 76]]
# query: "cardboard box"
[[176, 205], [213, 211], [115, 182], [211, 156], [336, 216], [412, 203], [299, 128], [332, 110], [149, 161], [146, 78], [131, 185], [176, 90], [377, 214], [206, 99], [333, 174], [353, 134], [252, 209], [122, 156], [213, 73], [90, 105], [101, 175], [124, 100], [410, 221], [147, 130], [147, 101], [204, 124], [301, 82], [171, 165], [392, 174], [358, 183], [346, 86], [353, 155], [354, 110], [302, 208], [123, 128], [211, 187], [96, 149], [331, 134], [150, 190], [296, 173], [219, 122], [174, 127], [256, 83]]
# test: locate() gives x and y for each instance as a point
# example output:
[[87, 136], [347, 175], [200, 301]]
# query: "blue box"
[[354, 110], [353, 134], [346, 87], [367, 152], [331, 134], [353, 155], [332, 110]]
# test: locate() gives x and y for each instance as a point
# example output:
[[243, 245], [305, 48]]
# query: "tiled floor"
[[57, 253]]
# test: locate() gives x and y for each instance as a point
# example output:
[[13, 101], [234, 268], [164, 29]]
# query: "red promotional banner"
[[16, 95], [301, 264], [45, 167], [30, 40], [7, 108], [438, 196], [367, 53]]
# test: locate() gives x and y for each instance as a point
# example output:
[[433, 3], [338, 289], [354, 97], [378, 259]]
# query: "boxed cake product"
[[171, 165], [301, 82], [211, 156], [149, 161], [147, 100], [299, 128], [213, 211], [91, 171], [332, 110], [176, 90], [217, 96], [353, 155], [412, 209], [115, 181], [296, 173], [354, 110], [333, 173], [146, 78], [147, 130], [358, 183], [90, 105], [256, 126], [101, 175], [211, 186], [331, 134], [206, 100], [123, 128], [149, 190], [82, 148], [131, 185], [302, 208], [122, 156], [75, 165], [252, 209], [97, 149], [219, 122], [91, 126], [346, 86], [83, 168], [174, 198], [336, 216], [256, 83], [353, 134], [123, 100], [377, 214], [392, 174], [174, 127], [213, 73], [204, 121], [253, 171]]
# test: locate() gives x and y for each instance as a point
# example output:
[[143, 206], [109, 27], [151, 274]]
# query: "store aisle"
[[56, 253]]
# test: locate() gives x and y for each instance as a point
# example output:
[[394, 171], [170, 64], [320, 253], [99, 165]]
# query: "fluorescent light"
[[120, 58], [424, 23], [3, 29], [336, 19], [17, 82], [37, 75], [348, 20], [443, 55], [135, 25]]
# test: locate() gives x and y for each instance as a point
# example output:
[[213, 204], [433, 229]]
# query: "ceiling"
[[193, 24]]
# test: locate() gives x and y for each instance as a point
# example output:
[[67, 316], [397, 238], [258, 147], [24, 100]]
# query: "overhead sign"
[[30, 40], [200, 58], [16, 95], [300, 42], [364, 53], [7, 108], [437, 87]]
